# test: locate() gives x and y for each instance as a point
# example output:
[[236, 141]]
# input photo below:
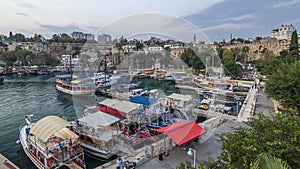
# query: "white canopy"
[[125, 106], [47, 126], [122, 106], [98, 119], [177, 96], [109, 102]]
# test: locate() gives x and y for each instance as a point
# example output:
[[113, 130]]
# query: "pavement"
[[264, 105], [6, 164], [209, 147]]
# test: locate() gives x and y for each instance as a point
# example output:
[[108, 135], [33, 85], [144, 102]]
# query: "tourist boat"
[[50, 144], [103, 128], [138, 92], [42, 70], [73, 85], [96, 132]]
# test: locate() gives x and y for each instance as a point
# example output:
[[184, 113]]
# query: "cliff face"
[[257, 47]]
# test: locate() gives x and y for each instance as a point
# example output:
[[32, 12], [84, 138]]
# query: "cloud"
[[227, 26], [286, 3], [27, 5], [58, 29], [22, 14], [243, 17]]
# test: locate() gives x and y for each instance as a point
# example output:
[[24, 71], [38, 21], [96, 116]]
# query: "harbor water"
[[20, 96]]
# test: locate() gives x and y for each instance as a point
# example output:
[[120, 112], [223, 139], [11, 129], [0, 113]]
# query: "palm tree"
[[266, 161]]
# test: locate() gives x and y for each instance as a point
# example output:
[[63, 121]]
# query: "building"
[[175, 45], [90, 36], [284, 32], [104, 39], [155, 48], [81, 35]]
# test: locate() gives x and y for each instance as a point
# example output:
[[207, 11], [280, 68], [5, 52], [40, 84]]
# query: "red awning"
[[182, 131], [111, 111]]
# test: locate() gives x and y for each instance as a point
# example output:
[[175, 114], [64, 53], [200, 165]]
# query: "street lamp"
[[192, 152], [238, 103]]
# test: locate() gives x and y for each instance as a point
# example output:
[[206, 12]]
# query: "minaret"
[[194, 42]]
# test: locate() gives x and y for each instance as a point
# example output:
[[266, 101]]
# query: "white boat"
[[138, 92], [74, 86], [50, 144], [96, 132]]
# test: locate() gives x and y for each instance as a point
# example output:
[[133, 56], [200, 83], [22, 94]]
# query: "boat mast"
[[71, 66]]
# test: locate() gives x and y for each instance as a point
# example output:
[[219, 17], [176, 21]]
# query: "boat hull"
[[96, 151], [73, 92], [22, 138]]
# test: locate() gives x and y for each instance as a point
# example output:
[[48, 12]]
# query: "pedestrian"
[[118, 164], [146, 149], [152, 150], [160, 155]]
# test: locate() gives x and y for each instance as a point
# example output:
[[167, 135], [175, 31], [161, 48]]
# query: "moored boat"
[[50, 144], [74, 86], [96, 132]]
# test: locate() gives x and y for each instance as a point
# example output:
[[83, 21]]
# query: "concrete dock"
[[207, 145], [6, 164]]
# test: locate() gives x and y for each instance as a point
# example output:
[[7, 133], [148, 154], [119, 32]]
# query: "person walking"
[[160, 154], [118, 163], [152, 150], [146, 149]]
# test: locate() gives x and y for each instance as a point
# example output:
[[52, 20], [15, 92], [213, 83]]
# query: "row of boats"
[[113, 126], [110, 127]]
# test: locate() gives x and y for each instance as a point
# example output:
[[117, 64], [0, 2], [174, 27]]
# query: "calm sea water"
[[20, 96]]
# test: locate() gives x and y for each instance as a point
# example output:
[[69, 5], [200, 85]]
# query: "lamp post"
[[192, 152], [238, 103]]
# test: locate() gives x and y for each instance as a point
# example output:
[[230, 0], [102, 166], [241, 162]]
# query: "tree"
[[279, 137], [294, 46], [232, 69], [245, 51], [19, 37], [227, 56], [236, 51], [266, 161], [284, 85]]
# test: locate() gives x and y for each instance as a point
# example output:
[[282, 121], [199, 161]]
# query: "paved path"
[[264, 105], [210, 147], [6, 164], [247, 109]]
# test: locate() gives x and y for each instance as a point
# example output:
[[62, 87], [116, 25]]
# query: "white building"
[[284, 32], [155, 48], [104, 39], [175, 45]]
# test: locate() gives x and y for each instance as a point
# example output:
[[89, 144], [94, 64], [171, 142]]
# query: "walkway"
[[6, 164], [247, 109]]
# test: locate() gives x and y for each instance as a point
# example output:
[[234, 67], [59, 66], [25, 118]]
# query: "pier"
[[248, 107], [6, 164]]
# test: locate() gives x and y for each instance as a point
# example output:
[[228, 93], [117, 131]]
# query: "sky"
[[210, 20]]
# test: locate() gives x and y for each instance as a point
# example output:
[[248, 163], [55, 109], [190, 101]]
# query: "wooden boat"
[[50, 144], [74, 86], [96, 132]]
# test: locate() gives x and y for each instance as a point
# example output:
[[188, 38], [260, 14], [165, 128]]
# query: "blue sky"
[[216, 18]]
